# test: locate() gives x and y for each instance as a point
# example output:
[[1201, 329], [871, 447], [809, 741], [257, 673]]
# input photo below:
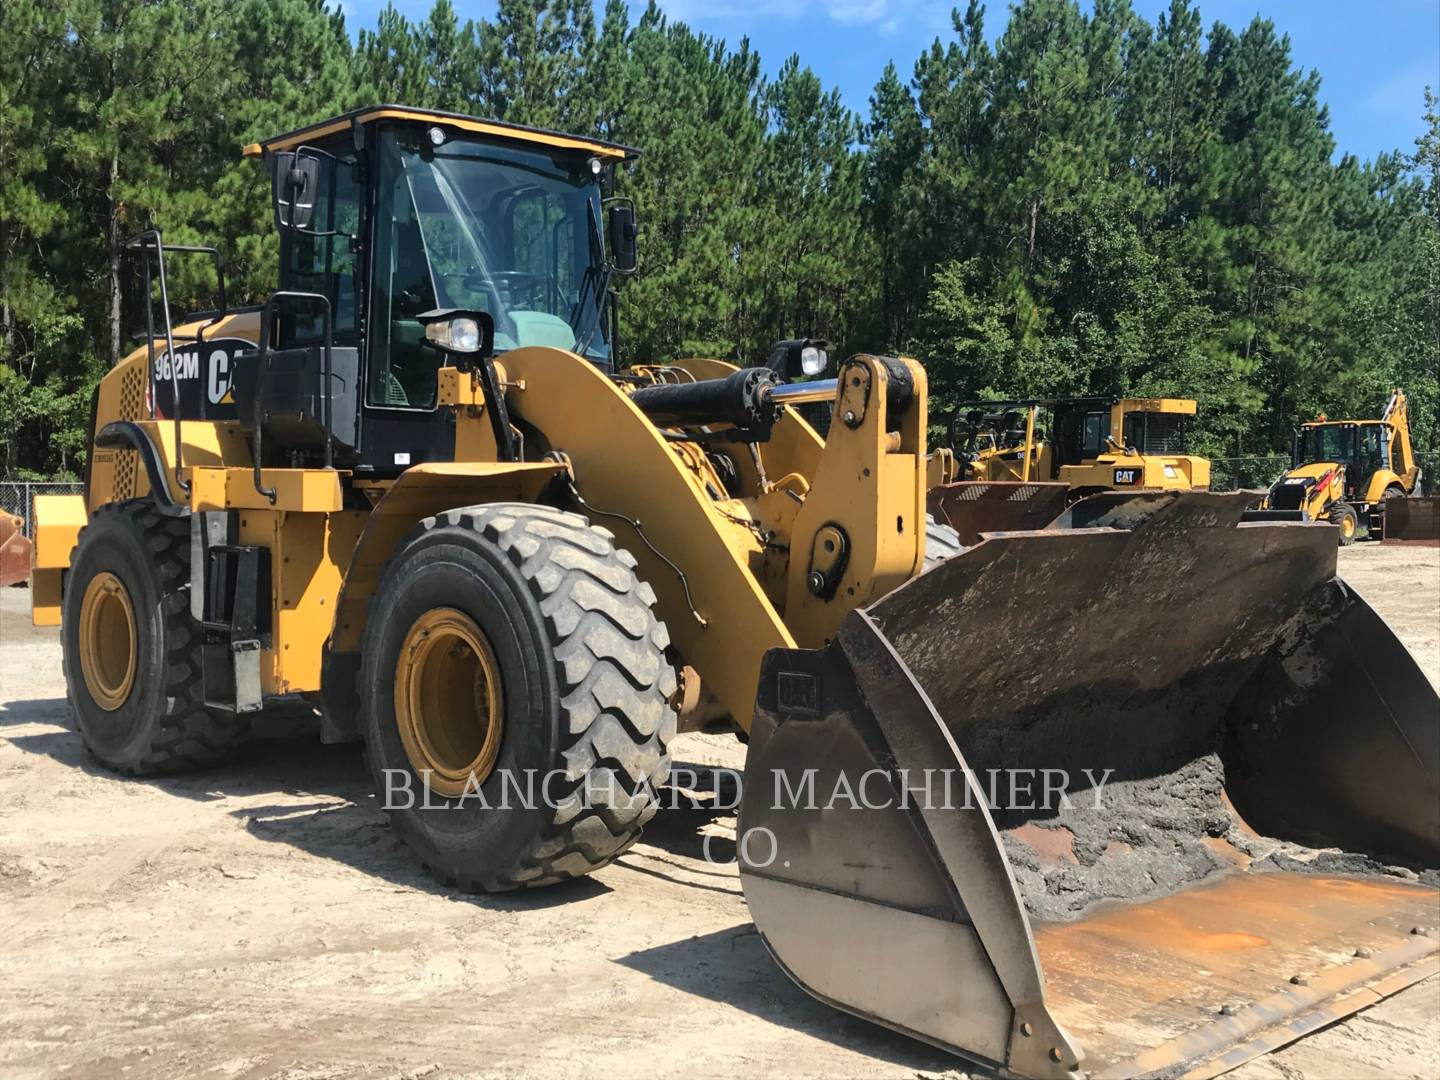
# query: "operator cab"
[[1362, 448], [388, 215]]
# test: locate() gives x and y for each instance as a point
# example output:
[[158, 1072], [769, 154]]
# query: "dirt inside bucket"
[[1129, 840]]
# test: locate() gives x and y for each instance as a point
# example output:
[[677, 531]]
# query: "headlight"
[[813, 360], [460, 334]]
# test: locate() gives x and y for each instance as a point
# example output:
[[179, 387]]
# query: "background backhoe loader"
[[417, 488], [1346, 472]]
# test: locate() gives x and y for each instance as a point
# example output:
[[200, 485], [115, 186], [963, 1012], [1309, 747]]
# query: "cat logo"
[[204, 372], [1127, 477]]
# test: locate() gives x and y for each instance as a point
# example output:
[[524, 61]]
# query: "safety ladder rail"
[[261, 357], [145, 242]]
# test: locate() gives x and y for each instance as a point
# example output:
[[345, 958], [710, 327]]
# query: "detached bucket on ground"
[[1151, 791], [1413, 520]]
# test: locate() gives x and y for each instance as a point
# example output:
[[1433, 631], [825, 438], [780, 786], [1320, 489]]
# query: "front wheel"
[[516, 698], [1343, 517]]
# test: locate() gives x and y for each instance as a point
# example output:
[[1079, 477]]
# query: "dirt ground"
[[261, 920]]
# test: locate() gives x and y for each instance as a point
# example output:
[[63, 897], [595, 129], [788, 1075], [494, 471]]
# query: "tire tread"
[[615, 685], [188, 735]]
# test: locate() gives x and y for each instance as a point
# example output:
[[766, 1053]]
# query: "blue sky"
[[1375, 56]]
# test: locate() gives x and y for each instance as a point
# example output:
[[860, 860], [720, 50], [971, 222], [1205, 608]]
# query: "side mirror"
[[798, 358], [295, 181], [622, 233]]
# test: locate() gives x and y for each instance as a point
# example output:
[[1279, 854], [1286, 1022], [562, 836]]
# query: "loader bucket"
[[1214, 705], [972, 507], [1414, 520], [14, 550]]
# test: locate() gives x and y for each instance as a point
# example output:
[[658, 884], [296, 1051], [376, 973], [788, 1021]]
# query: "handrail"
[[262, 367], [142, 242]]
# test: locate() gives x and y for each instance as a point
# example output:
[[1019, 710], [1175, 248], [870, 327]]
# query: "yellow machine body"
[[1345, 471], [744, 593], [1102, 452]]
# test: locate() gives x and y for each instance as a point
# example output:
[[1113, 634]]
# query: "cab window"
[[324, 259], [471, 225], [401, 366], [1093, 432]]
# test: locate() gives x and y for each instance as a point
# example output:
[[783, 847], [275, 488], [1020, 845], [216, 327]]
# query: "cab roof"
[[409, 113], [1183, 406]]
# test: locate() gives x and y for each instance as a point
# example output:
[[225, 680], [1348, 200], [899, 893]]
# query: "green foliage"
[[1095, 204], [1103, 206]]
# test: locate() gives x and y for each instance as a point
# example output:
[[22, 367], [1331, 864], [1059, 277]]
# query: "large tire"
[[941, 542], [587, 692], [155, 721], [1343, 517]]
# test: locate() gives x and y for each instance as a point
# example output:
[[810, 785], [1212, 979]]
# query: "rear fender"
[[58, 520]]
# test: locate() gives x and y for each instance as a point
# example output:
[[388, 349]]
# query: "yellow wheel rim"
[[449, 701], [108, 643], [1347, 526]]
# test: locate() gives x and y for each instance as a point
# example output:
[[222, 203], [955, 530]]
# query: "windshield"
[[1362, 447], [1332, 443], [511, 232]]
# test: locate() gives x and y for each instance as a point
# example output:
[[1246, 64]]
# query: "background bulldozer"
[[417, 488], [1091, 445], [1346, 472]]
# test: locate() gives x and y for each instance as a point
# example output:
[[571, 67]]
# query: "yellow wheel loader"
[[1346, 472], [1053, 801]]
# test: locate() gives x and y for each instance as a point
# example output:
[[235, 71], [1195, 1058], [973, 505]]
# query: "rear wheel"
[[517, 702], [132, 651], [1343, 517]]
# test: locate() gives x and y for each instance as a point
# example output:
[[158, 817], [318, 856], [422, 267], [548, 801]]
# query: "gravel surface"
[[261, 920]]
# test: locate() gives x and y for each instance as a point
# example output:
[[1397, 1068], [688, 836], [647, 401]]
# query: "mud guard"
[[1144, 633]]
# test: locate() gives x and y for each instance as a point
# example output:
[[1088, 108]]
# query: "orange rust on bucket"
[[1131, 979]]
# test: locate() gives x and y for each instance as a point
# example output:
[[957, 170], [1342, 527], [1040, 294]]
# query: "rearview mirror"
[[295, 180], [621, 239]]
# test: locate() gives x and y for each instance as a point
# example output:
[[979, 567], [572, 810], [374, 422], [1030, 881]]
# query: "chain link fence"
[[1251, 472], [18, 497]]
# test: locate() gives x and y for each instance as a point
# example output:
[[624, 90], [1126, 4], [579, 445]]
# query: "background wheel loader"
[[1346, 472], [416, 488]]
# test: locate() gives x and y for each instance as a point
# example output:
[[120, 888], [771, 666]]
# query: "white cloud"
[[858, 12]]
